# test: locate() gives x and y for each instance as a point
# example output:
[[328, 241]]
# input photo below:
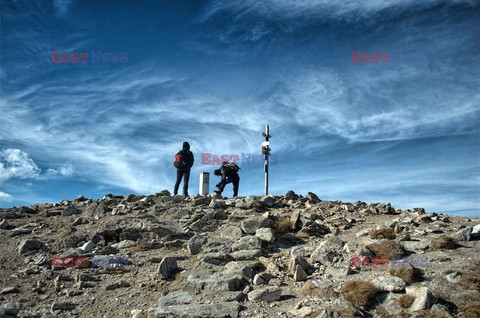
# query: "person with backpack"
[[229, 173], [183, 161]]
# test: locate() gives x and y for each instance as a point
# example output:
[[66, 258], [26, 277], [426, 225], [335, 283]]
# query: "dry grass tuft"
[[444, 242], [179, 282], [63, 234], [142, 246], [359, 292], [308, 289], [344, 312], [470, 309], [408, 274], [386, 249], [283, 225], [471, 279], [405, 301], [384, 233]]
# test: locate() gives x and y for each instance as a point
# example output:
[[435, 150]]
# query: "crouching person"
[[229, 174]]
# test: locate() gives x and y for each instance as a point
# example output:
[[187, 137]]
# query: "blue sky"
[[215, 72]]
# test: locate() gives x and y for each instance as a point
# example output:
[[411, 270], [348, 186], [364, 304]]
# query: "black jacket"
[[188, 159]]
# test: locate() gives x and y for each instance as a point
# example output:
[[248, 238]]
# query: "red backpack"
[[178, 160]]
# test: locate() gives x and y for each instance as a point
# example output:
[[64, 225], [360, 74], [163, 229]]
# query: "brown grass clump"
[[470, 309], [179, 282], [142, 246], [359, 292], [63, 234], [405, 301], [444, 242], [308, 289], [386, 249], [283, 225], [408, 274], [385, 233]]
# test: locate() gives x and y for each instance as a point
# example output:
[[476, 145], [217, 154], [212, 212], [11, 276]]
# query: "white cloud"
[[5, 197], [65, 170], [15, 163]]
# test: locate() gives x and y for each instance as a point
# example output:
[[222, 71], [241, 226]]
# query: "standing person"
[[183, 162], [229, 173]]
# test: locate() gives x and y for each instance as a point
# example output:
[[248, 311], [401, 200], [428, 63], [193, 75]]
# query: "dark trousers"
[[186, 177], [235, 180]]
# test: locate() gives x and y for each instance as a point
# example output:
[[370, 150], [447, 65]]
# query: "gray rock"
[[178, 198], [334, 244], [439, 310], [253, 223], [10, 290], [195, 244], [258, 280], [389, 283], [290, 195], [476, 231], [265, 294], [313, 229], [328, 314], [267, 200], [164, 229], [71, 210], [178, 297], [313, 197], [299, 274], [223, 281], [453, 277], [87, 247], [219, 310], [242, 268], [167, 267], [415, 245], [29, 245], [423, 298], [201, 200], [297, 260], [245, 255], [10, 309], [4, 225], [266, 234], [250, 242], [117, 285], [231, 231], [464, 234]]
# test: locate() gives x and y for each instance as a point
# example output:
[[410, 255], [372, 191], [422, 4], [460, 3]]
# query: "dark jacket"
[[187, 157]]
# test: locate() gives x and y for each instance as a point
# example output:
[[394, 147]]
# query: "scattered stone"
[[463, 234], [71, 210], [178, 297], [253, 223], [29, 245], [265, 294], [4, 225], [117, 285], [195, 244], [423, 298], [389, 283], [167, 267], [266, 234], [10, 309], [10, 290], [219, 310], [299, 275]]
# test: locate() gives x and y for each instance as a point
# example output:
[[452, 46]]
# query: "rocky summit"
[[254, 256]]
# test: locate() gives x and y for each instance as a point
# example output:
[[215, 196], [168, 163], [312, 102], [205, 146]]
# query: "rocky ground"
[[271, 256]]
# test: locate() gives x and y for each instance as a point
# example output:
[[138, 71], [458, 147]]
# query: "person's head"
[[186, 146], [224, 163]]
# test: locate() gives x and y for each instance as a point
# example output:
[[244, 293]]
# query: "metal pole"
[[267, 131]]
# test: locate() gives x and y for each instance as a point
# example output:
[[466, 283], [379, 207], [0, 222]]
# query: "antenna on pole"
[[266, 152]]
